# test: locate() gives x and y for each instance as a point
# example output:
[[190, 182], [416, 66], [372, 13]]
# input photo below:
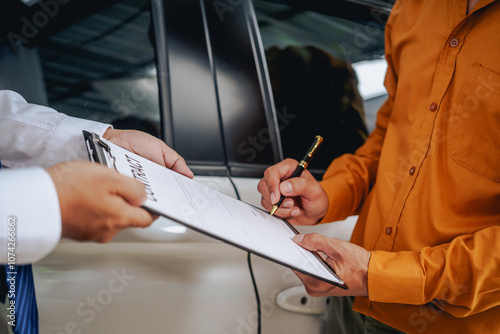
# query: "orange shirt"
[[426, 183]]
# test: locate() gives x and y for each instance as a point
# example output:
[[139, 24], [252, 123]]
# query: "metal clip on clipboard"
[[98, 150]]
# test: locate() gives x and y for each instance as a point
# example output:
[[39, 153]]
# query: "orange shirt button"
[[454, 42], [388, 230], [434, 107], [412, 170]]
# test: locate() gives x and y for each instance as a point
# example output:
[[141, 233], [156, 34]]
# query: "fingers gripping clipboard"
[[212, 213]]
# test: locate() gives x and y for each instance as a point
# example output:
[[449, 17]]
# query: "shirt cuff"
[[30, 215], [395, 278], [68, 143]]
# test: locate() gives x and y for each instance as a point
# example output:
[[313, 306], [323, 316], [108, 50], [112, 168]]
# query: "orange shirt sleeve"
[[460, 277]]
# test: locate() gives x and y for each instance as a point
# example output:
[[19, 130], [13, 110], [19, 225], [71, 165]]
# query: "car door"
[[195, 74]]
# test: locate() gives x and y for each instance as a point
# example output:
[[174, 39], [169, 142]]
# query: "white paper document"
[[213, 213]]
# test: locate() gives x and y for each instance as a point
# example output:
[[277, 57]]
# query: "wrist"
[[56, 174]]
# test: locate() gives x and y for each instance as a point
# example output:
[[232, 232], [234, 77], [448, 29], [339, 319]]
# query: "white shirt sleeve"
[[33, 135], [30, 218]]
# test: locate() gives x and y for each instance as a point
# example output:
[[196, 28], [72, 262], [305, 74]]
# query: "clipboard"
[[223, 217]]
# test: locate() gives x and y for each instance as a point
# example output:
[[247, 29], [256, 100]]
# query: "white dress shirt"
[[30, 136]]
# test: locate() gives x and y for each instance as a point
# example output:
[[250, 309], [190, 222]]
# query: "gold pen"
[[302, 165]]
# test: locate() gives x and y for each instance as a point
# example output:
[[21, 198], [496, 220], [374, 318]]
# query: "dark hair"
[[320, 92]]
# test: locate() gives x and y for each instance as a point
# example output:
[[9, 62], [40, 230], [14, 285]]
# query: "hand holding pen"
[[305, 202], [301, 167]]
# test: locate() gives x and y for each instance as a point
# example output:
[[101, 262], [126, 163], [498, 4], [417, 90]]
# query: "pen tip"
[[273, 210]]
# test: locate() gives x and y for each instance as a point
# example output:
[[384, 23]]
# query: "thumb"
[[181, 167], [313, 241]]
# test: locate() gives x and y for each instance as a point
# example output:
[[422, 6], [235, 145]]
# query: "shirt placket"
[[442, 78]]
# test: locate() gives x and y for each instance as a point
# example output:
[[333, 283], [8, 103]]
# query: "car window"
[[216, 84], [184, 71], [210, 91], [102, 67], [327, 76]]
